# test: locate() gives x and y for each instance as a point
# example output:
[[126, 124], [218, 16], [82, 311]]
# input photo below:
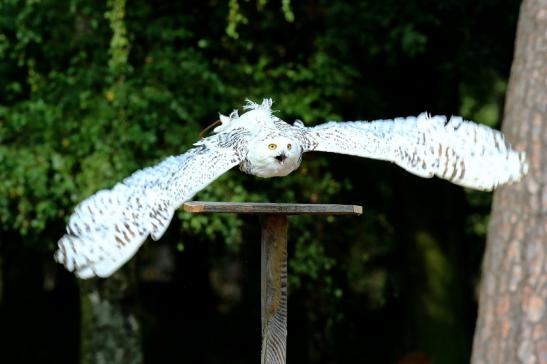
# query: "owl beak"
[[281, 158]]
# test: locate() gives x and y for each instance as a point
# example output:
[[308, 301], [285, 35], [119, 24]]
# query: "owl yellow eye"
[[272, 146], [289, 146]]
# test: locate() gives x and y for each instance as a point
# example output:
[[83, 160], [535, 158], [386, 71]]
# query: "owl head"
[[273, 156]]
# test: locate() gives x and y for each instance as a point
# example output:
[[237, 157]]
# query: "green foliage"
[[119, 45], [236, 16], [92, 91], [234, 19]]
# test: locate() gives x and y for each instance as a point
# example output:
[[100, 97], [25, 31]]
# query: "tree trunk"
[[109, 331], [512, 323]]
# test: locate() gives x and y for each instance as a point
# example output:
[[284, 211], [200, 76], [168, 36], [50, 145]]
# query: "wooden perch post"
[[274, 225]]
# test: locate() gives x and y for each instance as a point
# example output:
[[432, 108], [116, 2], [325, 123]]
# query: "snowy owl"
[[107, 228]]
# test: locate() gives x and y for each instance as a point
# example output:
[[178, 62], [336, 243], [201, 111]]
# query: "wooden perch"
[[274, 225], [272, 208]]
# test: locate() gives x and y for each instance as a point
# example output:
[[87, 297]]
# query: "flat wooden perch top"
[[272, 208]]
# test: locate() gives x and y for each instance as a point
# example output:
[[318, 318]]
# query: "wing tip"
[[70, 260], [74, 254], [516, 171]]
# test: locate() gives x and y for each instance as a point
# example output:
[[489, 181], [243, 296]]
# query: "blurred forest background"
[[92, 91]]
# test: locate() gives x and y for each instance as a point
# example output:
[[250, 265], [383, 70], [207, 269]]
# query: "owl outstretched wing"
[[107, 229], [463, 152]]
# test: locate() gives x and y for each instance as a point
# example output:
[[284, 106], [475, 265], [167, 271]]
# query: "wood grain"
[[272, 208], [274, 288]]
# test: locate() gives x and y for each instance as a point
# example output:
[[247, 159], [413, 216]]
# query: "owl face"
[[273, 157]]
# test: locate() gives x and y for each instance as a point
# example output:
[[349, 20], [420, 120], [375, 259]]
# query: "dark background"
[[92, 91]]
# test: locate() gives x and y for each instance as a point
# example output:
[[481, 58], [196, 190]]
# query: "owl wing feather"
[[463, 152], [107, 228]]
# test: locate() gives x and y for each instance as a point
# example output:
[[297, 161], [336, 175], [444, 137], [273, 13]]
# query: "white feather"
[[463, 152], [108, 228]]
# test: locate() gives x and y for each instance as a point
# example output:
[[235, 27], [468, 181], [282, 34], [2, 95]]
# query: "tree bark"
[[109, 332], [512, 323]]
